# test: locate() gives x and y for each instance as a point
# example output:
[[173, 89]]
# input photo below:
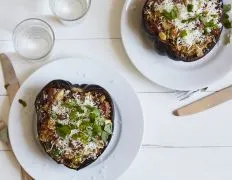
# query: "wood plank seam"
[[181, 147]]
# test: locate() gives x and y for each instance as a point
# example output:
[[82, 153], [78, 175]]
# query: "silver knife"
[[207, 102], [12, 86]]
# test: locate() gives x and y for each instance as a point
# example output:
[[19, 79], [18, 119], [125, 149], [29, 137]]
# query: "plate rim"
[[10, 122], [164, 85]]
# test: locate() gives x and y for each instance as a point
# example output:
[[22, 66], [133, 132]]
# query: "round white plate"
[[128, 122], [161, 69]]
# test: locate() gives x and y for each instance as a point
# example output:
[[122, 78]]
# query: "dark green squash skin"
[[67, 85], [164, 49]]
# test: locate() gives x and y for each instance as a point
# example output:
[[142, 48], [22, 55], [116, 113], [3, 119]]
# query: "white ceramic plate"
[[126, 139], [161, 69]]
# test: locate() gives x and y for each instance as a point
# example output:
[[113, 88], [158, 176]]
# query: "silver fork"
[[182, 95]]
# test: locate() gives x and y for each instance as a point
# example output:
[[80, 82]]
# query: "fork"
[[182, 95]]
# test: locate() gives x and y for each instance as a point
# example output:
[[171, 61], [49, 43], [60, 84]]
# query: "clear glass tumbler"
[[33, 39], [69, 11]]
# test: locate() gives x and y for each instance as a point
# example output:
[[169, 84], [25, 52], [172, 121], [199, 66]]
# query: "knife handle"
[[12, 88], [25, 176], [2, 125], [206, 102]]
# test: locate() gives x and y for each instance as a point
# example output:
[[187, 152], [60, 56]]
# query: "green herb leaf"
[[55, 152], [100, 121], [214, 15], [167, 15], [189, 20], [6, 85], [104, 136], [226, 16], [97, 130], [170, 15], [108, 128], [184, 21], [174, 13], [69, 103], [74, 136], [226, 8], [84, 125], [211, 24], [63, 130], [189, 7], [206, 31], [79, 109], [204, 13], [92, 117], [83, 138], [72, 126], [72, 104], [94, 114], [89, 132], [23, 103], [183, 33], [53, 116], [226, 23], [73, 115], [201, 18]]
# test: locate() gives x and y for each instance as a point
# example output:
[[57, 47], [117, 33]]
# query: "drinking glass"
[[33, 39], [69, 11]]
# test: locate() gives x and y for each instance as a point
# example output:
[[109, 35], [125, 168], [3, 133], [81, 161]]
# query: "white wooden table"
[[197, 147]]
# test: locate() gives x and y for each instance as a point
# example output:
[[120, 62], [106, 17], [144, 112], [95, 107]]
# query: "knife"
[[207, 102], [12, 86]]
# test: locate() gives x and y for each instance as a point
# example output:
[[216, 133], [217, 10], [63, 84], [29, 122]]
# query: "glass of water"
[[69, 11], [33, 39]]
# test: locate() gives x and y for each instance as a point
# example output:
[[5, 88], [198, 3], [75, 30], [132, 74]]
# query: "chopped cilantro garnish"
[[214, 15], [6, 85], [211, 24], [74, 136], [225, 16], [190, 7], [227, 23], [23, 103], [201, 18], [227, 40], [63, 130], [108, 128], [54, 116], [183, 33], [189, 20], [105, 136], [83, 138], [73, 115], [226, 8], [170, 15], [55, 152], [97, 130]]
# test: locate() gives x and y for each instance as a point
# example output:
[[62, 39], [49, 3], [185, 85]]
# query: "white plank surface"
[[9, 167], [102, 21], [159, 163], [108, 51], [196, 136], [209, 128], [181, 164]]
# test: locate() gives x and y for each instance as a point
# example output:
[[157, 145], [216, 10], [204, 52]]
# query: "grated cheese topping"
[[79, 127], [186, 22]]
